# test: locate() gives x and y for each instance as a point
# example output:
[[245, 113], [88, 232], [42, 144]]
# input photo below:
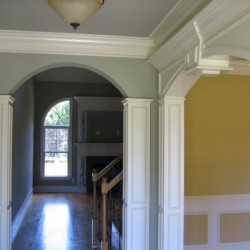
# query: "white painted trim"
[[178, 14], [171, 178], [214, 206], [223, 202], [161, 178], [6, 119], [220, 16], [75, 44], [136, 172], [215, 20], [17, 221]]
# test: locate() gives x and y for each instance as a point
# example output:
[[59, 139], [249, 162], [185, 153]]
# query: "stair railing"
[[106, 187], [95, 178]]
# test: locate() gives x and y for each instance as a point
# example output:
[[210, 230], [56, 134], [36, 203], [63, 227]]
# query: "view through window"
[[56, 140]]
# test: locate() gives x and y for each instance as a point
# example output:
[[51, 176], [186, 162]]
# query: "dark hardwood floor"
[[56, 222]]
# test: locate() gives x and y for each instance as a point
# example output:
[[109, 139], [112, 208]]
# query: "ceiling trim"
[[215, 20], [169, 24], [75, 44]]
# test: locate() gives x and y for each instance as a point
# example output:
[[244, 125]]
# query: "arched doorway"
[[33, 100], [137, 132], [171, 173]]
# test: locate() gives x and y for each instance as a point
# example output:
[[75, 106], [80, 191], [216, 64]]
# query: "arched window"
[[56, 141]]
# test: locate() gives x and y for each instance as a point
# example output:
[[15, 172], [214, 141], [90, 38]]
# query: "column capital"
[[136, 101], [7, 98]]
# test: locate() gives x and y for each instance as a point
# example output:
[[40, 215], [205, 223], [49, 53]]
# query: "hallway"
[[56, 222]]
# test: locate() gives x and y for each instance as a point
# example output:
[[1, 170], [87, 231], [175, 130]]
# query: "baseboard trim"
[[58, 189], [17, 221]]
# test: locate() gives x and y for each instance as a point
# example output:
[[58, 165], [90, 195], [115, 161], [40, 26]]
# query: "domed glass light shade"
[[75, 12]]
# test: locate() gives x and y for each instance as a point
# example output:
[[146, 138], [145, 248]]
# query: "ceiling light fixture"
[[75, 12]]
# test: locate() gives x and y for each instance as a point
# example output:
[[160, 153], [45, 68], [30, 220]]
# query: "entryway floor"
[[56, 222]]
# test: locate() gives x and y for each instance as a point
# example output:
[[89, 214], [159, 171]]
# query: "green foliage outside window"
[[58, 115]]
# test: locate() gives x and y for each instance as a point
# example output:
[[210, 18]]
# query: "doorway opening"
[[96, 125]]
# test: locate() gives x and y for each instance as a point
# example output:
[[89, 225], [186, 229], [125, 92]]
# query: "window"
[[56, 141]]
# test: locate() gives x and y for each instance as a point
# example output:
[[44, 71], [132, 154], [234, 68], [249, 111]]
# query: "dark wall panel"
[[23, 138], [47, 93]]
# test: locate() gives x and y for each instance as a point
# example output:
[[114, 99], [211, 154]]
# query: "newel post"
[[105, 189]]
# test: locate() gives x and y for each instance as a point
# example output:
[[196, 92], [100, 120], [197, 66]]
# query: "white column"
[[136, 168], [171, 173], [6, 112]]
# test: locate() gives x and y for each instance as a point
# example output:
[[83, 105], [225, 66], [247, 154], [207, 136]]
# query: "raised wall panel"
[[234, 227], [136, 173], [175, 240], [196, 229], [174, 159], [139, 218], [171, 179]]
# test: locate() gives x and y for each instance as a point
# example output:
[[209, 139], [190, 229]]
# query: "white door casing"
[[6, 113]]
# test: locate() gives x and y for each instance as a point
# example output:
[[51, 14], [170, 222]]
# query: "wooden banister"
[[106, 187], [95, 178], [104, 242], [118, 178]]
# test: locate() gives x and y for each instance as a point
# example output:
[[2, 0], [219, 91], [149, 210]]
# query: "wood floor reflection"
[[56, 222]]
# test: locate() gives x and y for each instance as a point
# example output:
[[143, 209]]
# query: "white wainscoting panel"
[[214, 207]]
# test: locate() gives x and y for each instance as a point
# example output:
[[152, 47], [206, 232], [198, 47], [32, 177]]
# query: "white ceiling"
[[133, 18]]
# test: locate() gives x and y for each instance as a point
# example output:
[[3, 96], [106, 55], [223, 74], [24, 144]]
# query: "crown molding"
[[180, 12], [75, 44], [220, 17], [212, 22]]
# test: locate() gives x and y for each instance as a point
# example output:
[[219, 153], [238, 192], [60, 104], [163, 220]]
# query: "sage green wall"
[[134, 78], [217, 136]]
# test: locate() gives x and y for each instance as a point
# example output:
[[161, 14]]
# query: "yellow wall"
[[217, 136]]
